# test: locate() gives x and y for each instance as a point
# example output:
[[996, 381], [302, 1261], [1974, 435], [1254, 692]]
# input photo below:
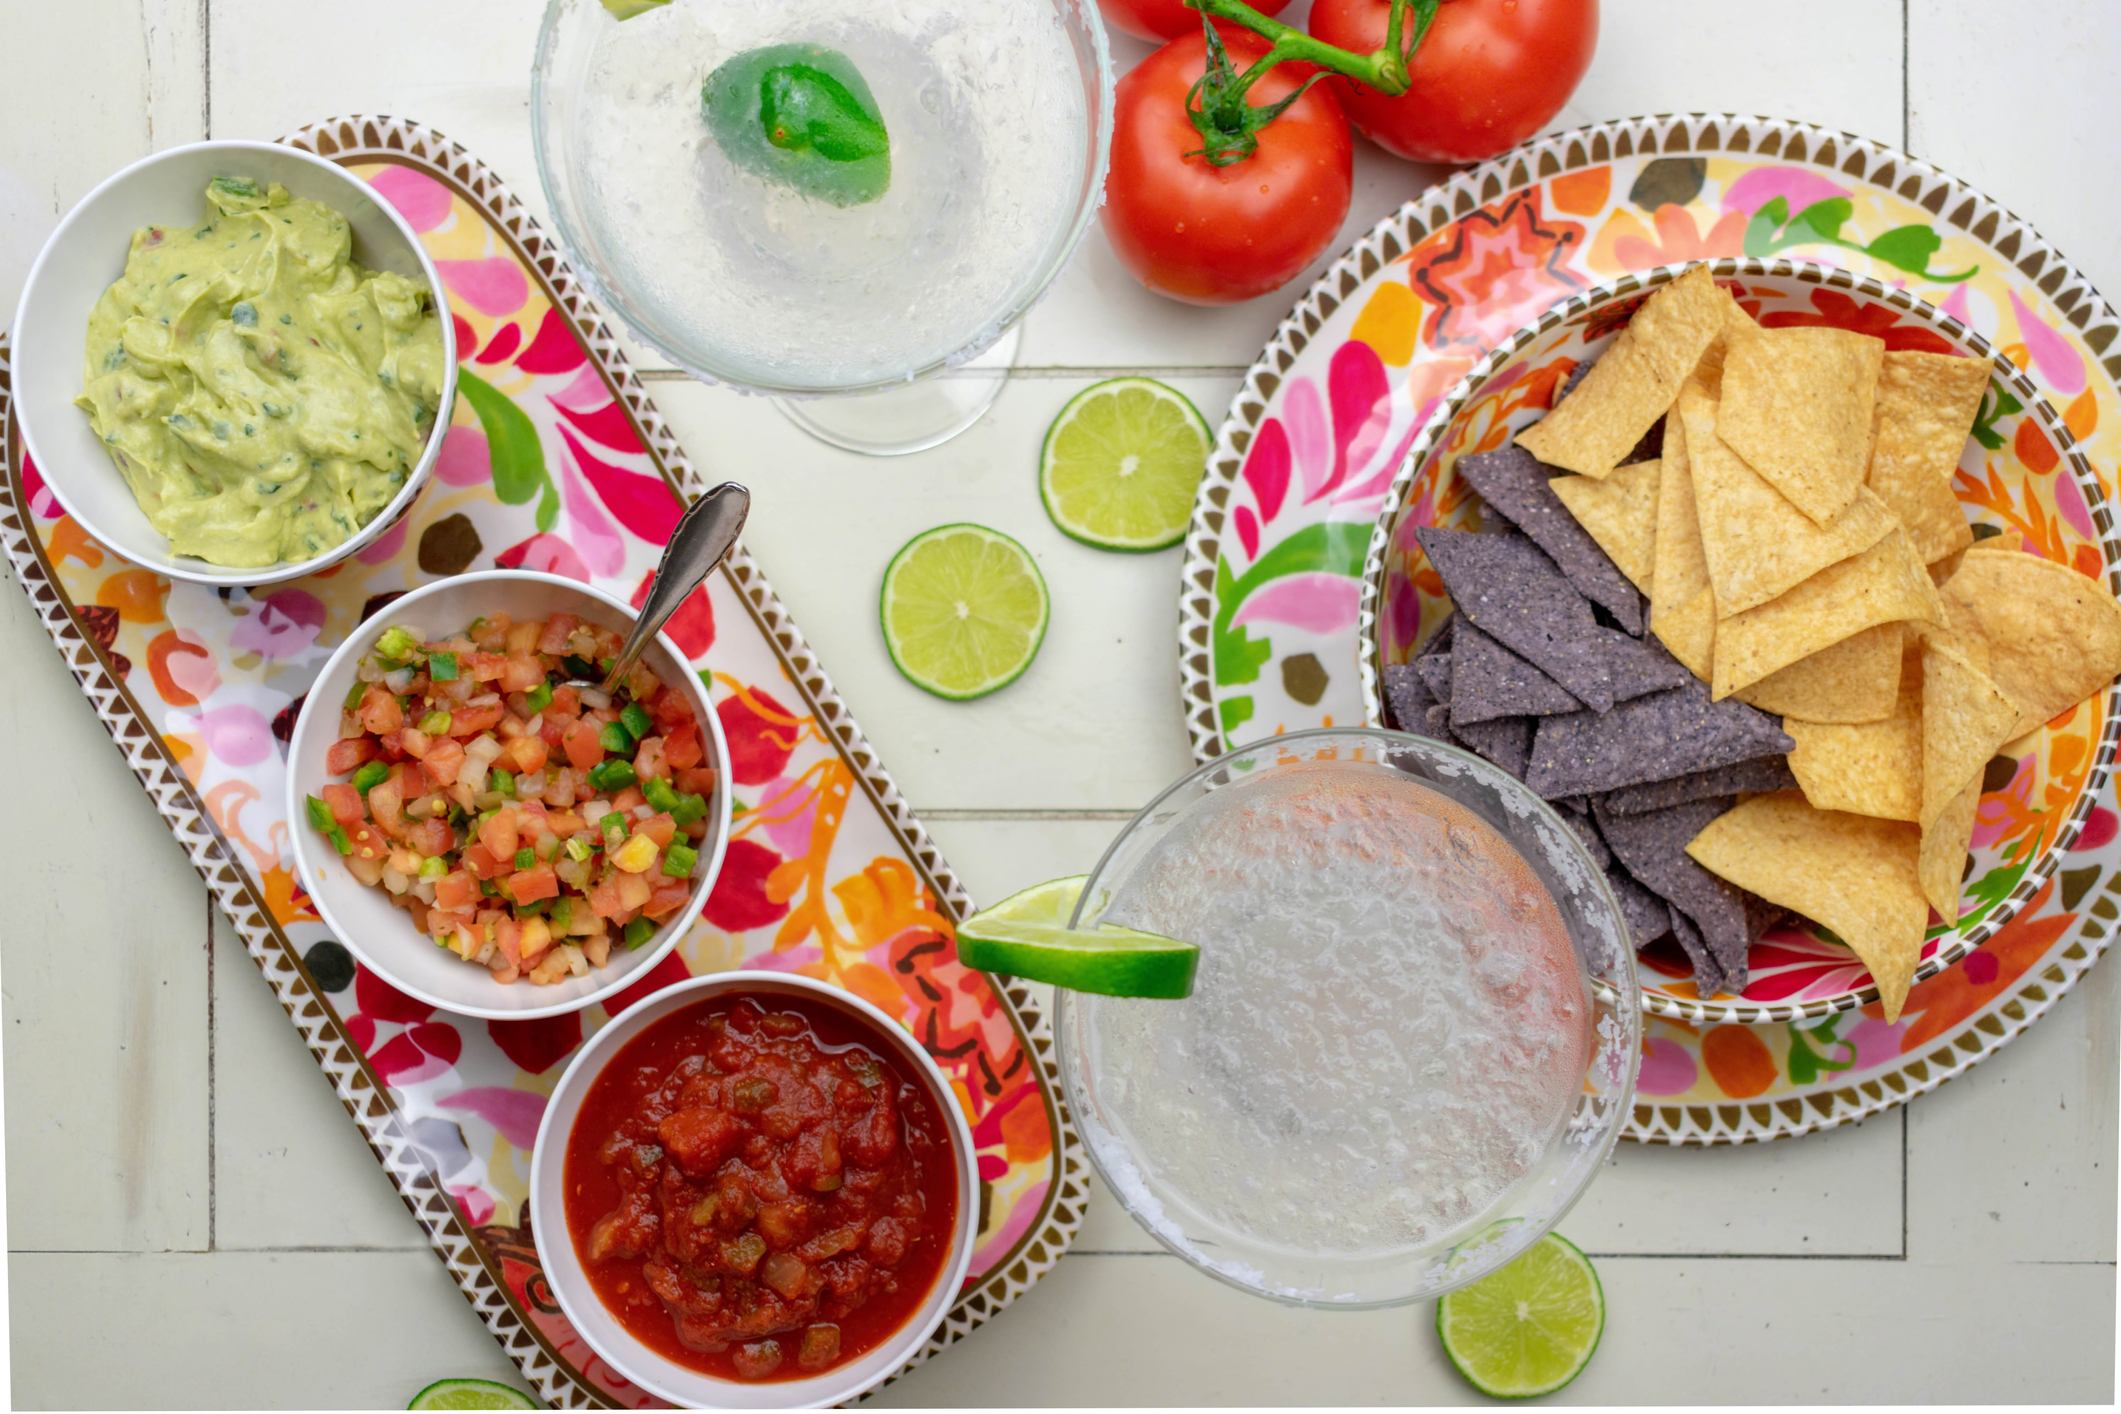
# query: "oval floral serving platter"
[[554, 460], [1327, 416]]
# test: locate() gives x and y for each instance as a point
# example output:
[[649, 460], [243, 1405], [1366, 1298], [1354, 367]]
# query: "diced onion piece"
[[396, 881], [484, 747], [530, 785], [595, 699]]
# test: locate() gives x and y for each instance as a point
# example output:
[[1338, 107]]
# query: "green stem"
[[1230, 124]]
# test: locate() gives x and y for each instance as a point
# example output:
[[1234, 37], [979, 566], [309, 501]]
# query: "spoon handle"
[[703, 535]]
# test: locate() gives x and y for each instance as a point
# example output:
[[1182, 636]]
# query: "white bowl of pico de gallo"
[[481, 831]]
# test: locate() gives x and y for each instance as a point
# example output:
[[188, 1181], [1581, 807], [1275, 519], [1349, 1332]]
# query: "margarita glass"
[[1413, 1038], [999, 118]]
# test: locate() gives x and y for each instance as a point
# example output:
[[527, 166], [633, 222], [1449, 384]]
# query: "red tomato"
[[1216, 235], [1165, 19], [1489, 74]]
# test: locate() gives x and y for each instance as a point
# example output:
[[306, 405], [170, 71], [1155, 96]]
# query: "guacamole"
[[263, 396]]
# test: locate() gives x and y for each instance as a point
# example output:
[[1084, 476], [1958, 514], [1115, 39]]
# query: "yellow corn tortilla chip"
[[1853, 874], [1633, 383], [2053, 635], [1965, 717], [1855, 680], [1682, 606], [1797, 406], [1940, 866], [1924, 412], [1756, 542], [1874, 768], [1884, 583], [1620, 513]]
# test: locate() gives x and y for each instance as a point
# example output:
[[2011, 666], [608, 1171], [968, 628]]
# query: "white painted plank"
[[290, 1166], [106, 986], [241, 1330]]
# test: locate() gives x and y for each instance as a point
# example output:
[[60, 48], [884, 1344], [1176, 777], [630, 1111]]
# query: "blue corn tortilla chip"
[[1507, 742], [1489, 681], [1438, 670], [1506, 586], [1652, 847], [1637, 667], [1588, 833], [1514, 482], [1763, 773], [1650, 738], [1648, 917], [1407, 698], [1708, 977]]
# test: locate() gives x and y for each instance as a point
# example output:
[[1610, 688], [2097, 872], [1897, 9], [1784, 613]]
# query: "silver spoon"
[[703, 535]]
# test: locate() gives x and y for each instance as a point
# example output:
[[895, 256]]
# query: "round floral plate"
[[1328, 414]]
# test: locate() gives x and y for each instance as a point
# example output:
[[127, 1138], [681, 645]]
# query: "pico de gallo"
[[529, 826], [760, 1194]]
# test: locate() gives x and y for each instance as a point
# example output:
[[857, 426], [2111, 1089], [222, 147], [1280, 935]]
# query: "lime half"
[[1122, 463], [472, 1394], [1027, 935], [964, 610], [1528, 1329]]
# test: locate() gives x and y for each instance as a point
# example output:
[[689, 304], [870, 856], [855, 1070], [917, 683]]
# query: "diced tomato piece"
[[522, 673], [681, 747], [505, 933], [634, 890], [483, 865], [668, 898], [469, 721], [669, 707], [441, 922], [432, 837], [483, 667], [370, 849], [558, 629], [530, 885], [604, 899], [581, 745], [561, 791], [348, 755], [414, 741], [523, 638], [500, 834], [648, 762], [345, 802], [493, 632], [412, 780], [444, 758], [658, 827], [566, 823], [567, 701], [380, 711], [387, 805], [456, 889], [698, 780], [391, 746]]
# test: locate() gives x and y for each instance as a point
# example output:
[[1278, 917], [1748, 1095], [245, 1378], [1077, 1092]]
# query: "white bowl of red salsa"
[[754, 1190], [609, 814]]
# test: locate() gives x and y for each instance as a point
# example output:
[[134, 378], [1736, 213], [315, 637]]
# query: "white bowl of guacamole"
[[234, 363]]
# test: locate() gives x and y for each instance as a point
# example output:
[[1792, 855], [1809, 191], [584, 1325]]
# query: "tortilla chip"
[[1648, 739], [1682, 606], [1636, 666], [1508, 588], [1634, 382], [1853, 874], [1884, 583], [1855, 680], [1759, 774], [1925, 408], [1870, 769], [1506, 741], [1757, 543], [1489, 681], [1965, 717], [1999, 542], [1946, 840], [1407, 698], [1620, 513], [1797, 406], [1643, 910], [1513, 480], [2054, 636], [1652, 847]]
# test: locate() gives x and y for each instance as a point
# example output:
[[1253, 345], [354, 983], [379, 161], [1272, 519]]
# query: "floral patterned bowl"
[[379, 934], [2021, 470]]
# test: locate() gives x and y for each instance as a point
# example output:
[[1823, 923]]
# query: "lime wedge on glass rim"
[[1027, 935], [1529, 1328], [472, 1394], [1122, 463], [964, 610]]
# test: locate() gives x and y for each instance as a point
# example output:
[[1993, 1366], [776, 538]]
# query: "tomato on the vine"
[[1165, 19], [1215, 235], [1489, 74]]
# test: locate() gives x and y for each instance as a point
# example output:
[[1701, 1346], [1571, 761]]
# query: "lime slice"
[[964, 610], [1528, 1329], [1027, 935], [472, 1394], [1122, 463], [625, 10]]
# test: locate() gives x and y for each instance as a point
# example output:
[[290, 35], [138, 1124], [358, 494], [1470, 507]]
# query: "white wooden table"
[[193, 1221]]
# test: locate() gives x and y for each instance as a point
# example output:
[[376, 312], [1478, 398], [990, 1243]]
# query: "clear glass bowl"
[[736, 281], [1300, 1205]]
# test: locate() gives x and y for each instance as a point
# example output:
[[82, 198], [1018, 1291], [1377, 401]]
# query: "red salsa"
[[760, 1194]]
